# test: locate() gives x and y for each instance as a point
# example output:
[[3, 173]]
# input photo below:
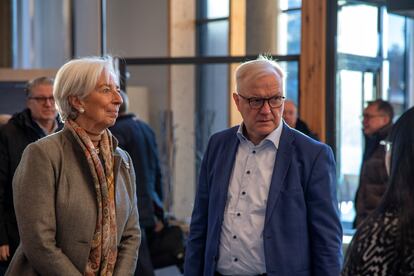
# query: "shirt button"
[[248, 172], [234, 237], [235, 259], [243, 193], [254, 152], [238, 214]]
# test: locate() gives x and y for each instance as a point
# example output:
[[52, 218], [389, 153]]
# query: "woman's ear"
[[76, 103]]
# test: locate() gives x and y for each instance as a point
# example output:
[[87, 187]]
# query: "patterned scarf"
[[102, 256]]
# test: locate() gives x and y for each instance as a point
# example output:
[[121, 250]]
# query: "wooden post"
[[313, 66]]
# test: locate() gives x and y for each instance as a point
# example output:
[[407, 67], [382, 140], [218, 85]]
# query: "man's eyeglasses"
[[257, 103], [369, 116], [43, 100]]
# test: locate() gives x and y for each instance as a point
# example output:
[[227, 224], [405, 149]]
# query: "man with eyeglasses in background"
[[266, 199], [34, 122], [376, 125]]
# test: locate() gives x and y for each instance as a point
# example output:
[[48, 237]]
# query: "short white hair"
[[254, 69], [78, 78]]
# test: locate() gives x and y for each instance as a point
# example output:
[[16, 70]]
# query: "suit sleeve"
[[325, 228], [195, 250], [131, 237], [34, 200]]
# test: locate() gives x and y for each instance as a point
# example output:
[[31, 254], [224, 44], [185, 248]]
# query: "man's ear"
[[236, 99], [387, 120]]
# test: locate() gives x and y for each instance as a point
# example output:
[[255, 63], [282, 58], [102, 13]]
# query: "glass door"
[[355, 89]]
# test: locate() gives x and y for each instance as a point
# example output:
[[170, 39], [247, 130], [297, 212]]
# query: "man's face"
[[290, 114], [373, 120], [260, 122], [41, 103]]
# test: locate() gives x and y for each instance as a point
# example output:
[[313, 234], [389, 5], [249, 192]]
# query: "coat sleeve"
[[325, 229], [131, 236], [34, 200], [196, 244]]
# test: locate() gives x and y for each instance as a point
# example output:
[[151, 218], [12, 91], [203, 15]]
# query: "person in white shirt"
[[266, 200]]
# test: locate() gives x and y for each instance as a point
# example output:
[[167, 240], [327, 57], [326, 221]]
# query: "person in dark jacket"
[[138, 139], [290, 116], [377, 123], [36, 121]]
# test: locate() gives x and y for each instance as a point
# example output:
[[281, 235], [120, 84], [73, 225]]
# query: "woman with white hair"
[[74, 191]]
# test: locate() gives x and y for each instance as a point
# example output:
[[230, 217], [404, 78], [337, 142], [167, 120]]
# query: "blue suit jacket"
[[302, 233]]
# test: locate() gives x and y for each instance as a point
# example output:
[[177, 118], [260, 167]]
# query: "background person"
[[290, 116], [138, 139], [36, 121], [162, 245], [266, 200], [74, 192], [376, 123], [384, 242]]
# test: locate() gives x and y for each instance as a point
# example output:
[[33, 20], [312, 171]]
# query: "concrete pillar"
[[182, 96], [261, 26]]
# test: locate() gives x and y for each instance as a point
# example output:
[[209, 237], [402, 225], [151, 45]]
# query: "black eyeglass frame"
[[42, 100], [260, 101]]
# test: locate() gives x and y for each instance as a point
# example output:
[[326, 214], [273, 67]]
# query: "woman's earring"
[[81, 110]]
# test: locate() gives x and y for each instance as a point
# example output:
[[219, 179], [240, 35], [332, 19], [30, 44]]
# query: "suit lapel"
[[282, 164], [224, 170]]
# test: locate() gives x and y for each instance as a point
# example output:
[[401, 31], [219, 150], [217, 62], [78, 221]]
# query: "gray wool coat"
[[56, 209]]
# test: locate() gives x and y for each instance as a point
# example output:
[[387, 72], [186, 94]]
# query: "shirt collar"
[[46, 132], [273, 137]]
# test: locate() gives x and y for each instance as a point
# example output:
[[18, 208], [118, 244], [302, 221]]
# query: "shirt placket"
[[241, 207]]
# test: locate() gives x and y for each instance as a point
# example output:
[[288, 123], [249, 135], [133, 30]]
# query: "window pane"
[[289, 33], [215, 37], [358, 30], [369, 88], [39, 26], [350, 139], [212, 103], [394, 67], [217, 8], [290, 4], [292, 75]]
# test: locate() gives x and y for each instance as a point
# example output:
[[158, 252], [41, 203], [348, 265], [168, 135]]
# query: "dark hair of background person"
[[400, 194], [37, 81], [384, 107]]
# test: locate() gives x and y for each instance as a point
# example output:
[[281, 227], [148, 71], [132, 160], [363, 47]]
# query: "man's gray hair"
[[254, 69], [36, 82], [78, 78]]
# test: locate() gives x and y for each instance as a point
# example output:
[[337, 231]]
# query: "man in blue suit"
[[266, 200]]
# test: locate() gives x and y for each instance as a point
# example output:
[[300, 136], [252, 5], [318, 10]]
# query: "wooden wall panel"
[[313, 65], [237, 47], [5, 34]]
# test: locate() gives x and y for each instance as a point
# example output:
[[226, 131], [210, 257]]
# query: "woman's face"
[[101, 105]]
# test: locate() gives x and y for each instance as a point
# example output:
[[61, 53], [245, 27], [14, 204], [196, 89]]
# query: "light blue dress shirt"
[[241, 250]]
